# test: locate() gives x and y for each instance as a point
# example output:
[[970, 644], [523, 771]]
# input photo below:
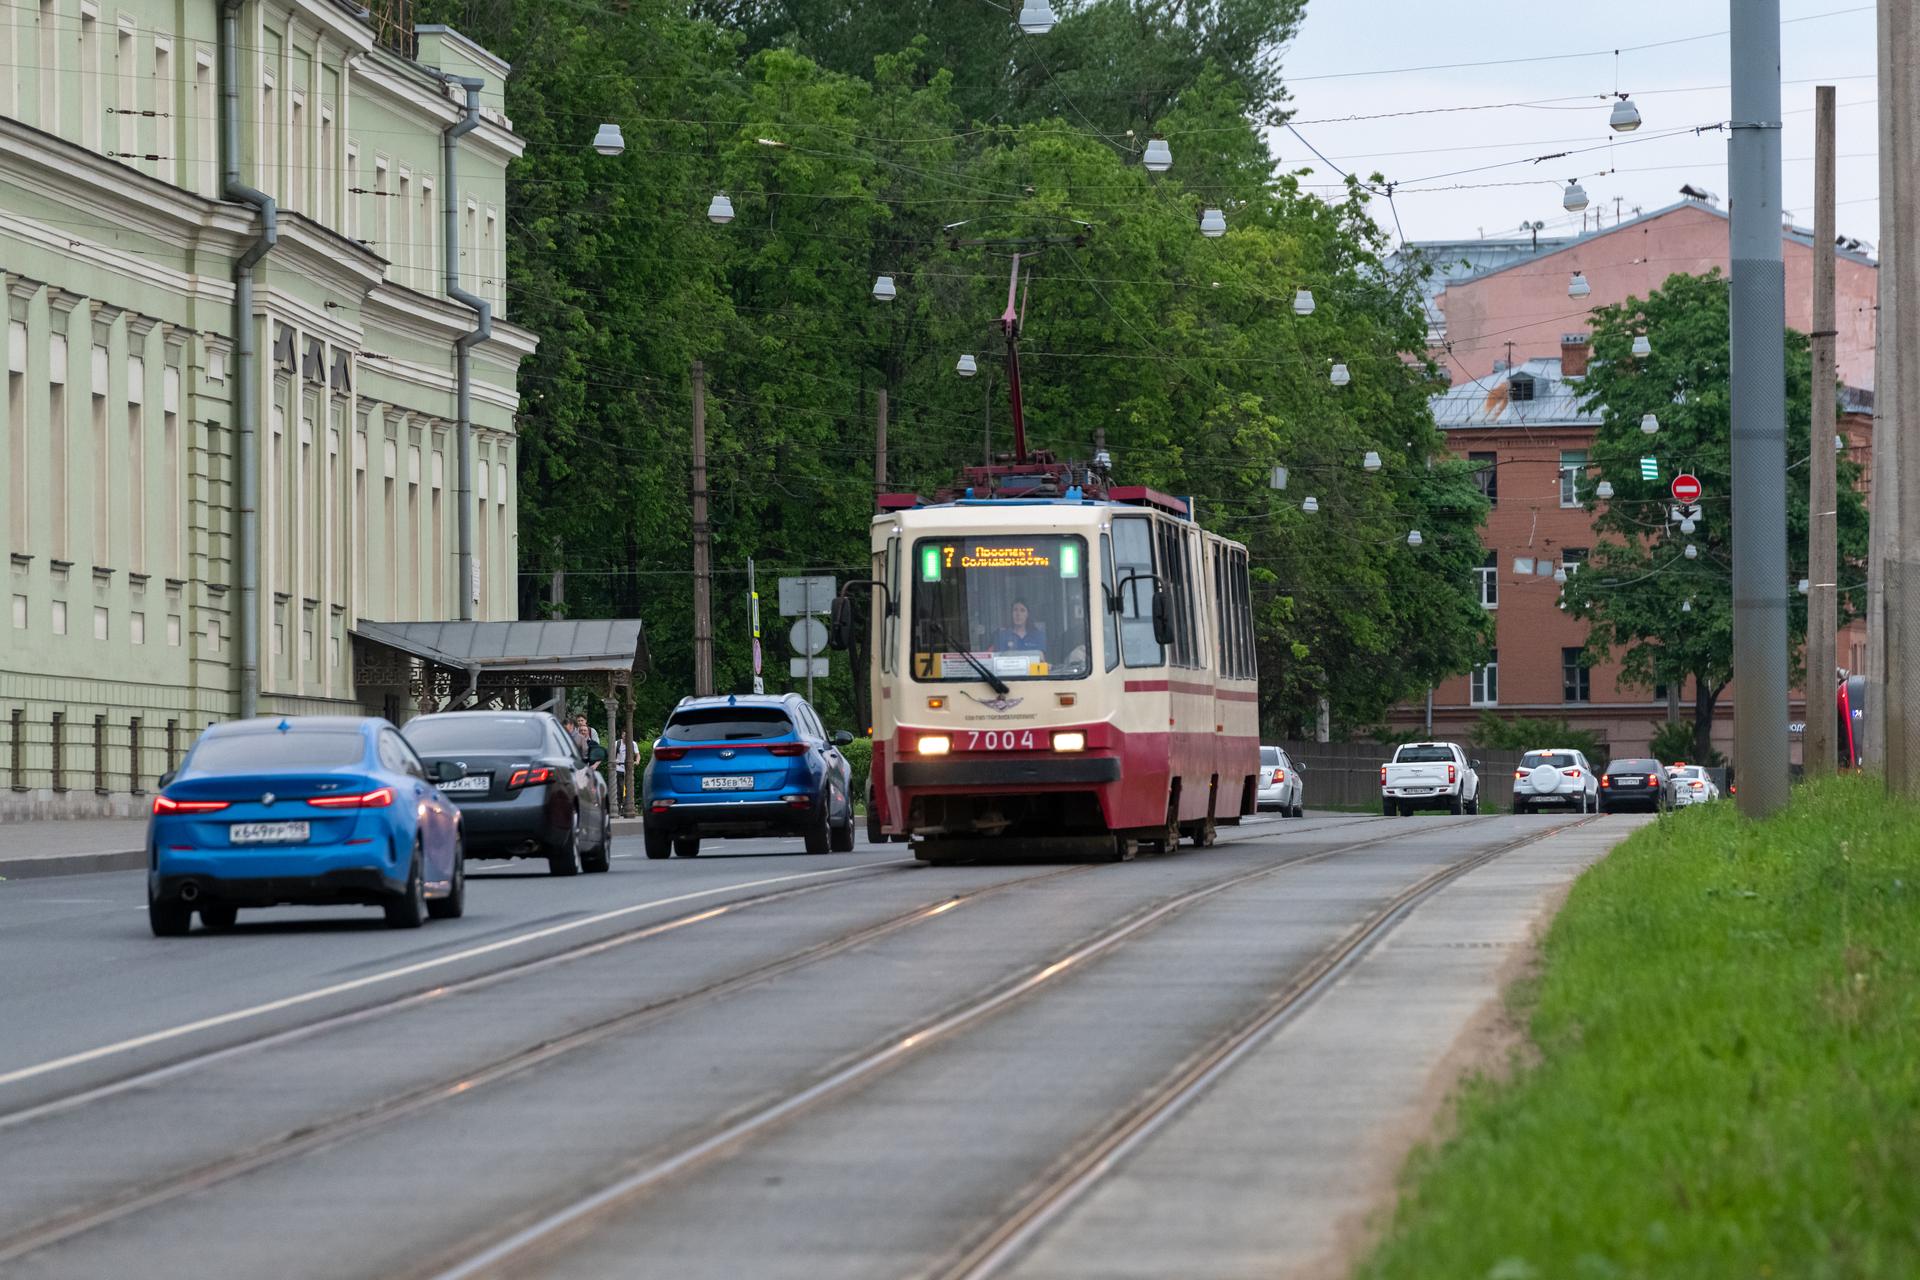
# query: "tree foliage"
[[849, 137], [1670, 617]]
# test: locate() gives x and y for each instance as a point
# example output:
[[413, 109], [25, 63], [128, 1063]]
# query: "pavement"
[[82, 846]]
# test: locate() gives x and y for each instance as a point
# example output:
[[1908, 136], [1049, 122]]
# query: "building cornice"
[[91, 184], [413, 89], [329, 19]]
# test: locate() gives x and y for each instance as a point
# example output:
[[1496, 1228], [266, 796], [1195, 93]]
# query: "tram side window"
[[1223, 611], [1112, 637], [1133, 553], [1195, 548], [1236, 644], [1176, 573], [1250, 657], [889, 606]]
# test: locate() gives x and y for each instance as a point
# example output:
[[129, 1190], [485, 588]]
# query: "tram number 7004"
[[999, 740]]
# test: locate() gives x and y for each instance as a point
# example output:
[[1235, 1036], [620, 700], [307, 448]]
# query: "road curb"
[[71, 864]]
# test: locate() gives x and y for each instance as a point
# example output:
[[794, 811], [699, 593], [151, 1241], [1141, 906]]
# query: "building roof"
[[1554, 400], [609, 646]]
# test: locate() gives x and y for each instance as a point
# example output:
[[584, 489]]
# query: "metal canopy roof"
[[513, 652]]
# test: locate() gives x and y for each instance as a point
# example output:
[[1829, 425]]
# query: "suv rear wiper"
[[998, 685]]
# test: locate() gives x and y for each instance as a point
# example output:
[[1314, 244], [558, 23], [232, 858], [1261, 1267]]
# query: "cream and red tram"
[[1060, 667]]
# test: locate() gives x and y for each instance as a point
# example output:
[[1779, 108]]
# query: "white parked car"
[[1556, 778], [1692, 784], [1429, 775], [1280, 785]]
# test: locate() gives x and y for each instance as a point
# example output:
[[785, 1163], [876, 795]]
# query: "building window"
[[93, 111], [1576, 678], [1484, 684], [206, 119], [1520, 386], [1573, 476], [1571, 558], [1486, 474], [1487, 577]]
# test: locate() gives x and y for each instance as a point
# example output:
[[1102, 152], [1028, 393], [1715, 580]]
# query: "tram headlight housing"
[[934, 744], [1070, 741]]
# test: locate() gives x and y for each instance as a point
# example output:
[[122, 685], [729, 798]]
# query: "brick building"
[[1517, 345]]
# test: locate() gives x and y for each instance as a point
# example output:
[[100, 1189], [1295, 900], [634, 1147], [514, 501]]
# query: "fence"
[[80, 764], [1348, 773]]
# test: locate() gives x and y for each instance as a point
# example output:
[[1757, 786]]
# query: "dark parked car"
[[1636, 784], [747, 765], [526, 792]]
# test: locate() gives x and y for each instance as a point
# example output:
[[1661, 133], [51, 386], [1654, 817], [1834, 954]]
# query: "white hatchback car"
[[1692, 784], [1280, 785], [1557, 779]]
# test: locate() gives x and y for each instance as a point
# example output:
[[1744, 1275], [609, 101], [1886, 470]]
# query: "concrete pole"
[[1758, 341], [1897, 393], [1817, 742], [702, 544], [880, 443]]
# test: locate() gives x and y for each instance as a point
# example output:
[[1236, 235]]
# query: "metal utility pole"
[[1758, 340], [1823, 554], [702, 544], [1897, 387], [880, 443], [753, 605]]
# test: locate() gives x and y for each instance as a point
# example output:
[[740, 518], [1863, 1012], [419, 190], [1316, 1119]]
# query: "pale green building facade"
[[120, 500]]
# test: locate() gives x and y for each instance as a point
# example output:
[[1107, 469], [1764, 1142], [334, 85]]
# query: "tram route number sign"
[[1686, 488]]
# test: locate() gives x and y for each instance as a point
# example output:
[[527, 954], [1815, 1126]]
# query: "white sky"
[[1678, 86]]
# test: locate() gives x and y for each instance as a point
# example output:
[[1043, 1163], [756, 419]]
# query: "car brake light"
[[1698, 786], [378, 798], [1383, 775], [1450, 773], [532, 777], [1606, 779], [787, 749], [1653, 779], [1519, 773], [669, 753], [1279, 775], [1573, 773], [166, 804]]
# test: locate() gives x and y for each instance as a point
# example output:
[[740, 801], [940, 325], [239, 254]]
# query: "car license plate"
[[727, 782], [267, 832], [472, 782]]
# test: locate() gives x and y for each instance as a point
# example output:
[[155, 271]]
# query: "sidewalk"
[[80, 846]]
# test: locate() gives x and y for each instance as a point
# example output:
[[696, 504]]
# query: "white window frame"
[[1573, 473], [1483, 683], [1487, 582]]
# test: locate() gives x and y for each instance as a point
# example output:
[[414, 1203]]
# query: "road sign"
[[806, 668], [806, 595], [1649, 468], [1686, 487], [809, 636]]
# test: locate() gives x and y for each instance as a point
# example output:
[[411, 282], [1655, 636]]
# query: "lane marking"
[[422, 966]]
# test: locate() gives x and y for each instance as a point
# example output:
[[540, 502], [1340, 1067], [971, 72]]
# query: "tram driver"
[[1022, 634]]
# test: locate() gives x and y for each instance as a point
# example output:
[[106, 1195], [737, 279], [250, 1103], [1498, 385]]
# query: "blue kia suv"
[[747, 765]]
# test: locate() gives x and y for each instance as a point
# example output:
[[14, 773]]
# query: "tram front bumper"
[[1025, 769]]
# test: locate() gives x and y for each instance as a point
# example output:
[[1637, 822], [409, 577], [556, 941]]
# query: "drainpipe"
[[463, 346], [246, 399]]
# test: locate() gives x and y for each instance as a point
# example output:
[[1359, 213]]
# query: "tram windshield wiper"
[[998, 685]]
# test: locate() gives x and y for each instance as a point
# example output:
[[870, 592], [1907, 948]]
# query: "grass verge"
[[1728, 1081]]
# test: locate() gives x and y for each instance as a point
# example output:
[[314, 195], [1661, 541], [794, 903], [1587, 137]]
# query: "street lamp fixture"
[[883, 290], [1159, 157], [1414, 539], [967, 366], [720, 211], [1578, 286], [1625, 117], [1371, 462], [1339, 377], [1603, 490], [1649, 425], [1036, 17], [1574, 198], [1693, 552], [1311, 505], [1642, 347], [1303, 302], [1213, 224], [607, 141]]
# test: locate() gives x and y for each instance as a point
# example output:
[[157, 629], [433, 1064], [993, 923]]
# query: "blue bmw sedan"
[[311, 810]]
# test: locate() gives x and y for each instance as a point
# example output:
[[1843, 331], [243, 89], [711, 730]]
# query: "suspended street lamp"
[[1641, 346], [1603, 490], [1159, 157], [1574, 198], [1036, 17], [967, 366], [1578, 286], [1693, 552], [883, 290], [1414, 539], [1649, 425], [1339, 377], [1560, 573], [1303, 302], [1371, 462], [1311, 505], [1687, 525], [607, 140], [720, 211], [1625, 117], [1213, 224]]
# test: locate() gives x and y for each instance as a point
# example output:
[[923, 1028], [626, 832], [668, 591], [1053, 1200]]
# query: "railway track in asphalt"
[[558, 1222], [128, 1201]]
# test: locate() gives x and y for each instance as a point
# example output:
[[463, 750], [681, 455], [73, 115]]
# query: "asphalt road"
[[761, 1063]]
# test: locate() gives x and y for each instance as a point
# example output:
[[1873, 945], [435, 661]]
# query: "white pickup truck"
[[1429, 775]]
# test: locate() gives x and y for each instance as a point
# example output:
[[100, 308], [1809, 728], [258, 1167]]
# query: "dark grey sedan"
[[1636, 783]]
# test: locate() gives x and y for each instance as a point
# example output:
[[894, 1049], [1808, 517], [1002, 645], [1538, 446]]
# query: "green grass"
[[1728, 1072]]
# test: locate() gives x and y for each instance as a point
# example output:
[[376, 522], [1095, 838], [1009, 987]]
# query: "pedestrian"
[[583, 735]]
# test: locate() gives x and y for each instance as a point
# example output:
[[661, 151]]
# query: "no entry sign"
[[1686, 487]]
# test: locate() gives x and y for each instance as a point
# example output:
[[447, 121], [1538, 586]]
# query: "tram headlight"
[[1069, 742], [935, 744]]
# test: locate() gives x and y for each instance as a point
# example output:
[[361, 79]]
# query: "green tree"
[[1670, 617]]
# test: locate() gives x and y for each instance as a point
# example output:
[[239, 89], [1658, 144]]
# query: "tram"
[[1059, 666]]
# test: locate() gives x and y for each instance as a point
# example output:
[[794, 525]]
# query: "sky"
[[1677, 87]]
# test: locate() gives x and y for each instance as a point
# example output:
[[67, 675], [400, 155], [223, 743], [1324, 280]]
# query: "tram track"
[[560, 1221], [309, 1138], [1046, 1201]]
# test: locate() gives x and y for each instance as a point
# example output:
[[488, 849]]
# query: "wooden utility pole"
[[1817, 739], [702, 544], [880, 443]]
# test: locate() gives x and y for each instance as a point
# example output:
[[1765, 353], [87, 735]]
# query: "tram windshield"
[[1015, 605]]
